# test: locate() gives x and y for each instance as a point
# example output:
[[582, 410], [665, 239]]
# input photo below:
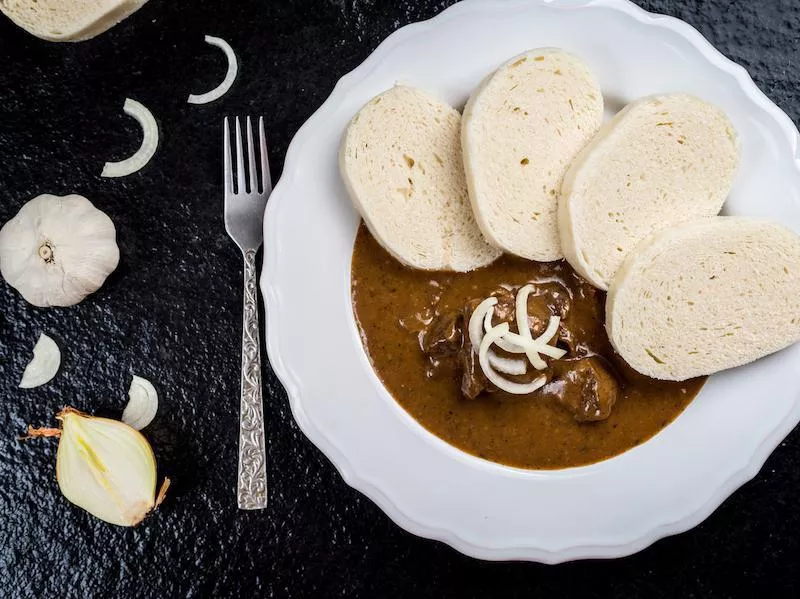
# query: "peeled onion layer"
[[480, 329], [230, 76], [482, 316], [478, 320], [507, 365], [105, 467], [142, 403], [149, 142], [521, 309], [43, 366], [517, 341], [497, 380]]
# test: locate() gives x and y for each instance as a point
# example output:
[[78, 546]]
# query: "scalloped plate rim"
[[371, 488]]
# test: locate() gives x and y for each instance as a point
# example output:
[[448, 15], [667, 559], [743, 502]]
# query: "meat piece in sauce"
[[473, 381], [546, 300], [503, 309], [577, 333], [586, 387], [443, 337], [549, 299], [447, 334]]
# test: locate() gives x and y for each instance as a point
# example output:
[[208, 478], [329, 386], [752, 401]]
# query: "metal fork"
[[244, 217]]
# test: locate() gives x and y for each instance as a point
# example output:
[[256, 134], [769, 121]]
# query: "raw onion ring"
[[501, 383], [230, 76], [145, 151]]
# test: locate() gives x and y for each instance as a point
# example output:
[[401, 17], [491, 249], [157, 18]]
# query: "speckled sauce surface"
[[172, 313]]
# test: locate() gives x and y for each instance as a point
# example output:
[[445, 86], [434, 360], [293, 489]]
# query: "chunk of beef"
[[554, 296], [505, 308], [473, 381], [570, 338], [546, 300], [447, 336], [577, 333], [586, 387], [443, 337]]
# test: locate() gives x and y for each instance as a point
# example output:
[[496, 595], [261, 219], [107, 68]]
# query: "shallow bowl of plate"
[[490, 511]]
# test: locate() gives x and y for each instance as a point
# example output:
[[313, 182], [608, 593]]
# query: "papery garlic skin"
[[106, 467], [44, 365], [142, 403], [57, 250]]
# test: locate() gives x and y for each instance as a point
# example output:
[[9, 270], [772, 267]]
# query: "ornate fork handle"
[[252, 479]]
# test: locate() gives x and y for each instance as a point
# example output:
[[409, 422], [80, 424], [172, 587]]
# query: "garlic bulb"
[[57, 250], [105, 467]]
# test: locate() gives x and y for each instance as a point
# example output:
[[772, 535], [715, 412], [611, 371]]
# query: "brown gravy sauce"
[[393, 303]]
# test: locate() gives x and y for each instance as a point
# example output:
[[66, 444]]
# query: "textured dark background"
[[171, 313]]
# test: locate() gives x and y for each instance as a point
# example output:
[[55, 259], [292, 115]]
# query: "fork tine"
[[239, 159], [266, 179], [251, 158], [227, 175]]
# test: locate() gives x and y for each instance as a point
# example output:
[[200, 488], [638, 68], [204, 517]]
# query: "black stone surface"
[[171, 313]]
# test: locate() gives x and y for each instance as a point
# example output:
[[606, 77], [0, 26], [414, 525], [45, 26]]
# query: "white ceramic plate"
[[609, 509]]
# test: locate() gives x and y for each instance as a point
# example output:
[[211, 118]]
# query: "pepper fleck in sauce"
[[394, 307]]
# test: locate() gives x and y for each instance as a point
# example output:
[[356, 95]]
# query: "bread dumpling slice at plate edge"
[[661, 161], [706, 296], [63, 21], [400, 160], [521, 129]]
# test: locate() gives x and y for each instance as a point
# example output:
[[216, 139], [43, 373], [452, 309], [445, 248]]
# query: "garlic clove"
[[58, 250], [107, 468], [44, 364], [142, 403]]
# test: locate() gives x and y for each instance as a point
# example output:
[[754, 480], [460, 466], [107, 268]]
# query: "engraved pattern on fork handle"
[[252, 478]]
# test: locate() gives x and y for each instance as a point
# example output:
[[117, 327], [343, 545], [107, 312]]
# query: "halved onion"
[[106, 468], [493, 335], [230, 76], [145, 151]]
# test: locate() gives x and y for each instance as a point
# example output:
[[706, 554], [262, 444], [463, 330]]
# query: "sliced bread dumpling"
[[521, 129], [401, 162], [706, 296], [68, 20], [663, 160]]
